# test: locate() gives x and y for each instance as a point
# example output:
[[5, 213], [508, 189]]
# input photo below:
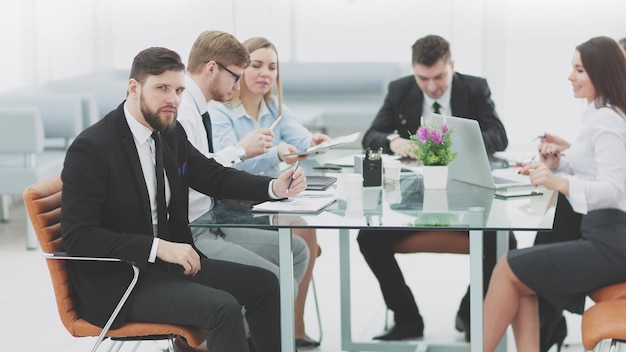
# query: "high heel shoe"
[[556, 336]]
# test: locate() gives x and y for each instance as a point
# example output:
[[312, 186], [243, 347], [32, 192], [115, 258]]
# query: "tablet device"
[[319, 183]]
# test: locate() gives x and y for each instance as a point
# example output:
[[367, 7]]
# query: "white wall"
[[523, 47]]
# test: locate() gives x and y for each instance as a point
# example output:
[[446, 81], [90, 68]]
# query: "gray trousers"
[[250, 246]]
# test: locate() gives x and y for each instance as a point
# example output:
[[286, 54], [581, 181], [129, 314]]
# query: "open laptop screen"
[[471, 164]]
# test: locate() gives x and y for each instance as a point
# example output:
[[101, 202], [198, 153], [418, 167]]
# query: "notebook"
[[319, 183], [471, 164]]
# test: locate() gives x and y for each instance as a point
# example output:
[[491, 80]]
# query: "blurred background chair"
[[23, 158], [43, 205]]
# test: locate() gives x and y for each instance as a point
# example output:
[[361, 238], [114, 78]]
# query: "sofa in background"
[[24, 159], [334, 97], [338, 98]]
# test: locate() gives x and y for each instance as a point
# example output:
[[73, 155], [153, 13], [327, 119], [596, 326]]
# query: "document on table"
[[329, 144], [295, 205]]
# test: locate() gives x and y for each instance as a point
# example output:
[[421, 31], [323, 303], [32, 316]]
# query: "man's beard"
[[218, 95], [152, 117]]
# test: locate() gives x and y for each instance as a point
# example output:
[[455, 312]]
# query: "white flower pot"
[[435, 177]]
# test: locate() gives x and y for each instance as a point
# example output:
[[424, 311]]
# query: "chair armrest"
[[131, 286]]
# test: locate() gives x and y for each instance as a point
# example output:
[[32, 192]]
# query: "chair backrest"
[[43, 204], [62, 114], [22, 130]]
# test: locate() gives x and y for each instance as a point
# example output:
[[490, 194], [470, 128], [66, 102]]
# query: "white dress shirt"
[[190, 113], [147, 157], [443, 101], [595, 164]]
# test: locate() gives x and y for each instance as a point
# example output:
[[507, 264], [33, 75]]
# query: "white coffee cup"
[[354, 191], [392, 171]]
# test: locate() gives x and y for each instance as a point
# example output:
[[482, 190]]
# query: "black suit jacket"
[[106, 208], [402, 109]]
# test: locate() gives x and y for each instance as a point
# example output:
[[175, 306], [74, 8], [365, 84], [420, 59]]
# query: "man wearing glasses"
[[216, 63]]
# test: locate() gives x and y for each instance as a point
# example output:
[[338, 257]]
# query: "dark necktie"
[[436, 107], [209, 130], [162, 226]]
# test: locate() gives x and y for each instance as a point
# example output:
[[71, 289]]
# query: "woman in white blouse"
[[593, 177]]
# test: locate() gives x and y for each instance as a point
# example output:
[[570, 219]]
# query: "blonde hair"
[[252, 45], [217, 46]]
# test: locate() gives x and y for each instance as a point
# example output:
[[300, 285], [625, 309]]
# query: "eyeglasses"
[[235, 76]]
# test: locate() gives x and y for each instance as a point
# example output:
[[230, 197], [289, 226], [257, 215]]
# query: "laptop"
[[471, 164]]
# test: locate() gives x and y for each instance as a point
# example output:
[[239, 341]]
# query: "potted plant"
[[431, 145]]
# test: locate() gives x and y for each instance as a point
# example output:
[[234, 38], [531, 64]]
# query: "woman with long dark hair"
[[593, 178]]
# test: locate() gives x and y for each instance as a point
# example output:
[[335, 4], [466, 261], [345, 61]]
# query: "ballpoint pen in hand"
[[295, 167], [280, 117]]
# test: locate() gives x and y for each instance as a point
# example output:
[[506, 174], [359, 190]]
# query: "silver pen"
[[295, 167], [280, 117]]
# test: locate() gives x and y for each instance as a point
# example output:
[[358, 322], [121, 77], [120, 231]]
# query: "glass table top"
[[402, 205]]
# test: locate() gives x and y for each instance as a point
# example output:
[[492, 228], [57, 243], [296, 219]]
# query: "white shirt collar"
[[192, 88], [444, 100]]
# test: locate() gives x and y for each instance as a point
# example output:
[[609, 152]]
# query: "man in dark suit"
[[110, 210], [434, 87]]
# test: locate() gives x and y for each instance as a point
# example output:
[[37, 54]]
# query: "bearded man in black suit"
[[110, 209]]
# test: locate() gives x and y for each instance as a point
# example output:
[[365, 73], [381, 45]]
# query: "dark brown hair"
[[153, 62], [605, 64], [430, 49]]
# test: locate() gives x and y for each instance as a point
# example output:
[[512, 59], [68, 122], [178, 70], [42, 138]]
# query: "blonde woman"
[[257, 105]]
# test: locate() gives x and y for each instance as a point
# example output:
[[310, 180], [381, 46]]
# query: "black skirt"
[[564, 273]]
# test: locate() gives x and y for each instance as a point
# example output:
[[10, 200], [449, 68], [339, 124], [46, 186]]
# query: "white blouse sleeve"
[[606, 189]]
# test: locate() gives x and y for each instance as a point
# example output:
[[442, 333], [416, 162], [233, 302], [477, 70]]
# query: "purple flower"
[[436, 136], [445, 128], [423, 134]]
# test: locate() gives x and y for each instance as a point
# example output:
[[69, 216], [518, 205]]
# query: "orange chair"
[[43, 204], [605, 320]]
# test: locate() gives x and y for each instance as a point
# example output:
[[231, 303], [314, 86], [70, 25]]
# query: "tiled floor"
[[29, 321]]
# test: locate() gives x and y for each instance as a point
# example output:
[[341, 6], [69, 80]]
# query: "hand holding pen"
[[290, 182], [295, 168]]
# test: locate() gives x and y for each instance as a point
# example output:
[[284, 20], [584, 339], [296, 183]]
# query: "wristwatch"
[[392, 136], [241, 153]]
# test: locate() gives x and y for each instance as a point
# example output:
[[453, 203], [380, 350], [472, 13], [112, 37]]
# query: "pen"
[[539, 137], [295, 167], [280, 117]]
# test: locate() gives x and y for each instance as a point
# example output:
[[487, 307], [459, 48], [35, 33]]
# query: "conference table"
[[403, 205]]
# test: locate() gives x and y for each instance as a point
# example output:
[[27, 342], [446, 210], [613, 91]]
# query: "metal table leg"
[[285, 262]]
